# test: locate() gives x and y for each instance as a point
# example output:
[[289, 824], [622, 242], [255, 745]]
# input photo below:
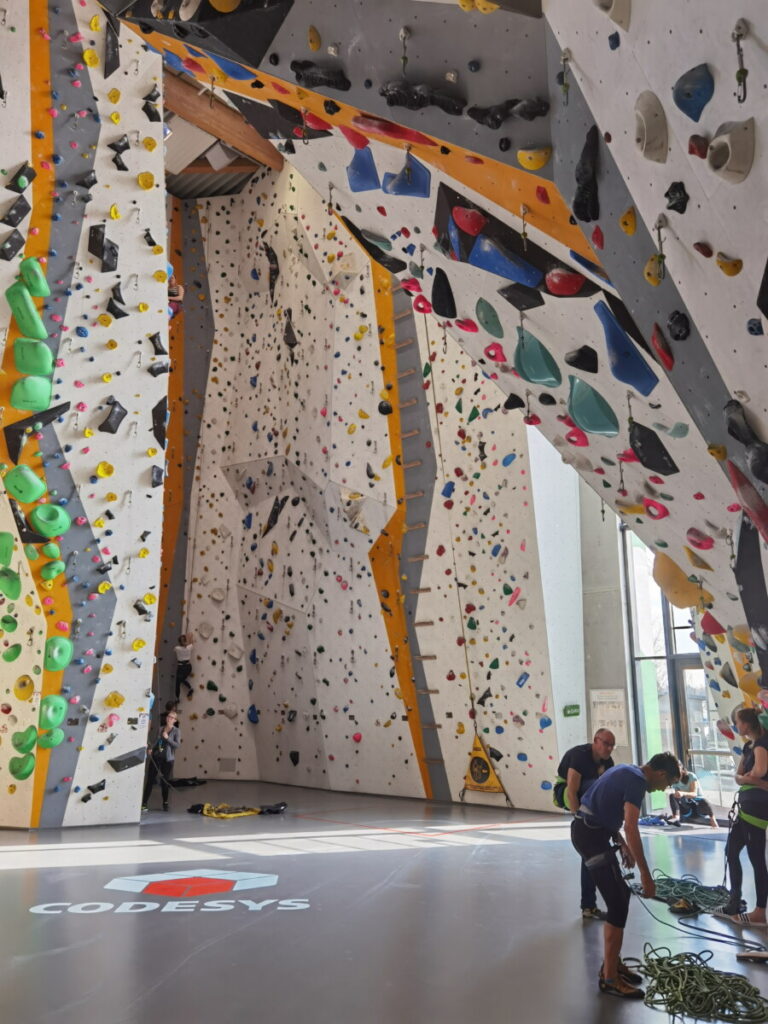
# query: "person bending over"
[[686, 799], [615, 799], [750, 825], [577, 771], [162, 755]]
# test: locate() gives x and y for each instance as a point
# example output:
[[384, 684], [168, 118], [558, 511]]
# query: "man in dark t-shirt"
[[579, 768]]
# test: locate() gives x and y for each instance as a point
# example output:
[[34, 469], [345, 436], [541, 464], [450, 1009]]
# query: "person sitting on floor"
[[686, 800]]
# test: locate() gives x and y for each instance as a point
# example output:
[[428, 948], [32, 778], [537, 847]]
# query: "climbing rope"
[[689, 889], [685, 985]]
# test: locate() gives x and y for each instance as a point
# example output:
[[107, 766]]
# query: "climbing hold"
[[25, 311], [732, 150], [653, 269], [533, 361], [495, 352], [146, 180], [693, 90], [32, 394], [33, 357], [650, 452], [660, 346], [50, 520], [469, 220], [21, 767], [617, 10], [33, 276], [53, 711], [534, 159], [443, 303], [699, 540], [628, 221], [749, 498], [589, 410], [677, 198], [23, 484], [314, 42], [10, 584], [698, 145], [54, 738], [564, 282], [584, 359], [488, 254], [651, 136], [414, 180], [703, 248], [488, 318], [25, 741], [6, 547], [696, 561], [627, 365], [678, 325], [586, 206], [676, 586], [730, 267], [362, 173]]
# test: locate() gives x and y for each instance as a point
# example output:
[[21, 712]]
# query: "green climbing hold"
[[31, 552], [25, 311], [589, 410], [33, 276], [471, 623], [50, 520], [51, 549], [475, 412], [494, 663], [488, 318], [31, 356], [32, 394], [52, 570], [22, 767], [23, 484], [24, 741], [6, 547], [12, 653], [58, 654], [534, 362], [10, 584], [51, 739], [53, 708], [9, 624]]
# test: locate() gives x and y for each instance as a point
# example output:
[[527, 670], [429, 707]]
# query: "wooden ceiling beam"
[[236, 167], [218, 120]]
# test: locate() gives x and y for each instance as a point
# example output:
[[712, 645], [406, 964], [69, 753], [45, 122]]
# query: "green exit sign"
[[571, 711]]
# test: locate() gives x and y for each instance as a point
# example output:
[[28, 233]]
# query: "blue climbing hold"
[[362, 174], [627, 365], [493, 257], [413, 180], [693, 91], [508, 459]]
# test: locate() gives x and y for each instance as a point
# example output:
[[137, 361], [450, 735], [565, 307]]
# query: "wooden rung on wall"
[[403, 315], [410, 433], [406, 373], [427, 691], [412, 465], [407, 405], [417, 558], [425, 657], [413, 495], [404, 344], [420, 590], [425, 622], [415, 526]]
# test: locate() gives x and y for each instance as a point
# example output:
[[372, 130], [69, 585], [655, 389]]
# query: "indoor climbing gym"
[[384, 511]]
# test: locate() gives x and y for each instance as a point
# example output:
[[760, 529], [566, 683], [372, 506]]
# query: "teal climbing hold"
[[53, 708], [25, 311], [50, 520], [32, 394], [488, 318], [33, 276], [589, 410], [31, 356], [534, 362], [23, 484]]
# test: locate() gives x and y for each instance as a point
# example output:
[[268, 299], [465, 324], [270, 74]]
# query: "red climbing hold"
[[380, 126], [628, 456], [699, 540], [357, 736], [750, 500], [467, 325], [440, 549], [193, 66], [471, 222], [661, 348], [382, 210], [354, 138], [698, 496], [698, 145], [562, 281], [703, 248], [531, 419], [710, 625], [422, 304], [598, 239], [542, 195], [411, 285], [316, 123]]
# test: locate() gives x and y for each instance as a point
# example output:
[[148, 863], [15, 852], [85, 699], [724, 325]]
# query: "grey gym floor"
[[416, 913]]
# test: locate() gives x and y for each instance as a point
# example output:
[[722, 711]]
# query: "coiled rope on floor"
[[708, 898], [685, 985]]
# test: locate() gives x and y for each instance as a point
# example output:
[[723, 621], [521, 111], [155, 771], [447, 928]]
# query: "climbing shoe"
[[631, 977], [592, 914], [619, 987], [165, 807]]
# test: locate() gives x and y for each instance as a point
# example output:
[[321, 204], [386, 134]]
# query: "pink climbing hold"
[[411, 285], [193, 65], [353, 137], [699, 540], [495, 352], [357, 736], [422, 304], [471, 222], [515, 594], [531, 419], [467, 325], [655, 509], [661, 347], [627, 456], [750, 500]]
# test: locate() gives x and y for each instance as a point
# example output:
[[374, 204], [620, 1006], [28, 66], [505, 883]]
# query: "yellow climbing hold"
[[91, 58], [313, 39], [114, 699], [138, 644], [115, 117], [104, 319], [149, 144], [160, 275], [104, 587], [696, 560], [113, 95], [107, 378], [718, 451], [95, 23], [98, 523], [114, 212], [146, 180], [351, 428], [88, 432], [23, 688], [675, 585], [151, 452], [143, 552], [751, 684], [534, 159], [460, 729], [149, 599], [224, 6], [728, 266], [110, 496], [652, 270], [105, 469], [111, 344], [626, 509], [628, 221], [157, 250], [363, 414], [143, 307], [106, 668]]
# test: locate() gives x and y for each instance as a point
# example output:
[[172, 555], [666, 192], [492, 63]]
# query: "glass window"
[[647, 607], [714, 765]]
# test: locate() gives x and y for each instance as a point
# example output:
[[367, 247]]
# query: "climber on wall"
[[615, 799], [183, 652]]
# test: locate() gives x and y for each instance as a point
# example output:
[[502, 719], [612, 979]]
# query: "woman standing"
[[162, 755], [749, 828]]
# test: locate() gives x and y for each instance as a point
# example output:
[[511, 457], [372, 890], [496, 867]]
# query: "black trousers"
[[593, 843], [690, 805], [155, 767], [744, 834], [183, 672]]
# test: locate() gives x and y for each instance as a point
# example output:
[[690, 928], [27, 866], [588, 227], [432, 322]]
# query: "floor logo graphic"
[[182, 887]]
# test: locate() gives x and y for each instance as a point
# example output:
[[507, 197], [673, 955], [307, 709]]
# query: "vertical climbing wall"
[[83, 412]]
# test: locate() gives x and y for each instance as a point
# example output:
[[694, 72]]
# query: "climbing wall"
[[83, 371]]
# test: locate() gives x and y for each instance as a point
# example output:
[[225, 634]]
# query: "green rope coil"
[[684, 985], [708, 898]]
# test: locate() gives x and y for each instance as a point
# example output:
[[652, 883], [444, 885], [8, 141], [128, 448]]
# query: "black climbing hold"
[[157, 344], [17, 433], [120, 145], [311, 75], [148, 238], [385, 408], [736, 422], [678, 325], [495, 754], [473, 65], [547, 399], [614, 40], [160, 421], [132, 759], [153, 95], [119, 163], [331, 107], [116, 311], [88, 180], [486, 696], [586, 206], [521, 296], [390, 263], [294, 756], [156, 369], [513, 402], [443, 303], [402, 93], [274, 59], [12, 244], [117, 294], [157, 476], [505, 144], [647, 446], [677, 198], [152, 111], [117, 414], [584, 359], [21, 179], [444, 150], [16, 213], [755, 326], [274, 514]]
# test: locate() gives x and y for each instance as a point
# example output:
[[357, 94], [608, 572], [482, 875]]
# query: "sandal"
[[619, 987], [740, 918], [631, 977]]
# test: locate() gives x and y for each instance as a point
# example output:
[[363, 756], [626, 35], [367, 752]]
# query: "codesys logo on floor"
[[182, 886]]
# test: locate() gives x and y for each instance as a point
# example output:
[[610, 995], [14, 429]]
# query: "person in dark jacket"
[[162, 754]]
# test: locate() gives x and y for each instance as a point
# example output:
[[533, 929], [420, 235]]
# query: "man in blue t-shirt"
[[576, 772], [615, 799]]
